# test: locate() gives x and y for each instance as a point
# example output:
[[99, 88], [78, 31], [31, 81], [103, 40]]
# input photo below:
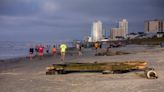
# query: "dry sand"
[[29, 76]]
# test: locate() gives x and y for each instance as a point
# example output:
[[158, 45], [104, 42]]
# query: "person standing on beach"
[[54, 50], [63, 48], [78, 47], [96, 46], [47, 49], [36, 49], [31, 52], [40, 51]]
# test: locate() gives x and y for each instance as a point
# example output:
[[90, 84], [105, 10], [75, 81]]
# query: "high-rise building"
[[123, 24], [117, 32], [96, 33], [154, 26], [121, 31]]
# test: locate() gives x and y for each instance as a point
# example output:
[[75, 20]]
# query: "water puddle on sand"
[[9, 73]]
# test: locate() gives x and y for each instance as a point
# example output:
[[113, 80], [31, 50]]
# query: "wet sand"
[[29, 76]]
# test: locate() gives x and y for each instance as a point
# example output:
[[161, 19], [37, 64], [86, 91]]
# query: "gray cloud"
[[73, 17], [18, 7]]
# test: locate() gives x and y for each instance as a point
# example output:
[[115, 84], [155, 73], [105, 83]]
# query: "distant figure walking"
[[36, 49], [48, 49], [96, 46], [54, 50], [40, 51], [31, 52], [79, 48], [63, 48]]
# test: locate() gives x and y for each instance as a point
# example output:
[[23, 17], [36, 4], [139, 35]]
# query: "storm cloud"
[[71, 19]]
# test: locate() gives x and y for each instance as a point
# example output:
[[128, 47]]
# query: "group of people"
[[40, 50]]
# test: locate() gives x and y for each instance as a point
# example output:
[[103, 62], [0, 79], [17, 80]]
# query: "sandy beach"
[[23, 75]]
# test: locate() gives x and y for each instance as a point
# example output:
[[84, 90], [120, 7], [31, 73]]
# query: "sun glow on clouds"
[[49, 7]]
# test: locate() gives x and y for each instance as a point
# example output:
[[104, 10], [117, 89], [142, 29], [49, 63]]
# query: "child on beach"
[[63, 48], [31, 52]]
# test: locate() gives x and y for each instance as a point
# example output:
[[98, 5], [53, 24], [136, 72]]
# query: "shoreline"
[[132, 49], [24, 75]]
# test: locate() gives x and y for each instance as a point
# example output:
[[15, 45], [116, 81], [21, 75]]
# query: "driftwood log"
[[105, 68]]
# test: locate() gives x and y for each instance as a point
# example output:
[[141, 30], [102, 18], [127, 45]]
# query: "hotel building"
[[121, 31], [154, 26], [97, 33], [117, 32], [123, 24]]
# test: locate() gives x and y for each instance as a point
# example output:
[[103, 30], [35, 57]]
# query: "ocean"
[[13, 49], [10, 49]]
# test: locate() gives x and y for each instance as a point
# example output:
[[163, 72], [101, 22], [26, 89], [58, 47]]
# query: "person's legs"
[[40, 55], [79, 52], [53, 53], [96, 49], [62, 56], [31, 56]]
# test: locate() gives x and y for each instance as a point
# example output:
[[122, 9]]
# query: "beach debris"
[[150, 73], [111, 53], [105, 68]]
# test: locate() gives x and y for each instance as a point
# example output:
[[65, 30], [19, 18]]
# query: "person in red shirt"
[[40, 52]]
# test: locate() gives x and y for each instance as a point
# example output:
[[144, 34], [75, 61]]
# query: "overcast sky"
[[47, 20]]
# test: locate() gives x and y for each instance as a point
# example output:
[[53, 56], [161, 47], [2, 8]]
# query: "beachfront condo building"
[[123, 24], [117, 33], [154, 26], [97, 32], [121, 31]]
